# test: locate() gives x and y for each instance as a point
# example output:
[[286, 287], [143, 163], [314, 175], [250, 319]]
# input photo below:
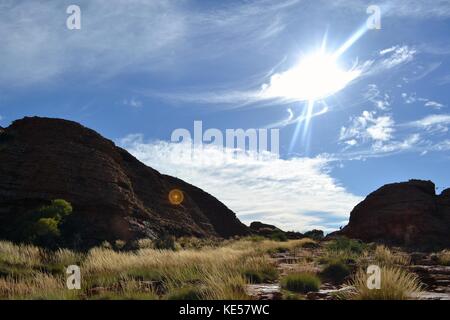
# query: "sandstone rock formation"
[[408, 213], [114, 196], [268, 230]]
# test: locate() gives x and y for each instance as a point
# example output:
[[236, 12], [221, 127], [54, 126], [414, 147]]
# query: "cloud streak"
[[154, 36]]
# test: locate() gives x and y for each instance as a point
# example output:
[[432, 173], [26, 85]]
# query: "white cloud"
[[434, 105], [399, 55], [434, 122], [368, 127], [423, 135], [409, 98], [380, 101], [388, 50], [294, 194]]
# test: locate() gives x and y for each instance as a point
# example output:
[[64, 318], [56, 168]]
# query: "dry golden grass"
[[444, 257], [222, 272], [396, 284], [39, 286], [270, 245], [25, 255], [384, 256]]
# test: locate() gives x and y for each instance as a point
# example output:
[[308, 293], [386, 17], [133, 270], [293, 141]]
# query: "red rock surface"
[[113, 194], [408, 213]]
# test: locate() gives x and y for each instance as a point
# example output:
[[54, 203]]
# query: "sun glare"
[[316, 76]]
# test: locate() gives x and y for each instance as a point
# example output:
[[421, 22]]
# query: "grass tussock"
[[385, 257], [336, 272], [396, 284], [444, 257], [301, 282]]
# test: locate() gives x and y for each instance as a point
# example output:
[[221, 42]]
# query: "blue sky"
[[138, 70]]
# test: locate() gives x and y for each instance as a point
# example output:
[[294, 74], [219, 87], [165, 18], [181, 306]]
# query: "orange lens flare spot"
[[176, 196]]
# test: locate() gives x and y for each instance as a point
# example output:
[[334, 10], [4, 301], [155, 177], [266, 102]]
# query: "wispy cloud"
[[154, 36], [369, 135], [420, 9], [434, 105], [294, 194], [398, 55], [380, 101], [368, 127], [434, 122]]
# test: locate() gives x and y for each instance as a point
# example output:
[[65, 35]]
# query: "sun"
[[316, 76]]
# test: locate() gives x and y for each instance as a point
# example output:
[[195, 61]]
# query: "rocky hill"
[[114, 196], [408, 214]]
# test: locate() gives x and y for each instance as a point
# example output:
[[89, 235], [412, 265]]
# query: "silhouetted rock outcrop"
[[408, 213], [268, 230], [114, 196]]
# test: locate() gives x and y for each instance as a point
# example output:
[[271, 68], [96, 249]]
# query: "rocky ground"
[[434, 277]]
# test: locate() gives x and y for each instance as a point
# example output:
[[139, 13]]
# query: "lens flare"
[[176, 197]]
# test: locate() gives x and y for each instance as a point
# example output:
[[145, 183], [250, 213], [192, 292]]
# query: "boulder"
[[407, 214]]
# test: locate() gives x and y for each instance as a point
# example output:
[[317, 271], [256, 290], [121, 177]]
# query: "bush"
[[165, 242], [43, 228], [346, 244], [314, 234], [119, 244], [278, 236], [46, 227], [335, 272], [301, 282], [58, 210]]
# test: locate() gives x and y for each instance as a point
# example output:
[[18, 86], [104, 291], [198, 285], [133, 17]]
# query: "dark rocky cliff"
[[114, 196]]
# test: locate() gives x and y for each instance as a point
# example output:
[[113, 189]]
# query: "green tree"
[[46, 227], [43, 228], [58, 209]]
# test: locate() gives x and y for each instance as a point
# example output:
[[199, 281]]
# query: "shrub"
[[58, 210], [301, 282], [165, 242], [396, 284], [314, 234], [335, 272], [119, 244], [43, 228], [346, 244], [278, 236], [46, 227], [344, 256]]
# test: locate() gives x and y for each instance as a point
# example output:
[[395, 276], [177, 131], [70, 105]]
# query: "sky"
[[357, 105]]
